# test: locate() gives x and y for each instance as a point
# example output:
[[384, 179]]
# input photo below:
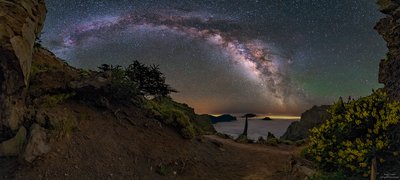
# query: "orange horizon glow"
[[286, 117]]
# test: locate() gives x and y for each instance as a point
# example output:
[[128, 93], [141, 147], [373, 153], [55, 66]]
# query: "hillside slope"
[[104, 147]]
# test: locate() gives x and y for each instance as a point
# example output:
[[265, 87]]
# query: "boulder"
[[14, 146], [37, 143], [311, 118]]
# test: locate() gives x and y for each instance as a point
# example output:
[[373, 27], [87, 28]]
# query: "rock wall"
[[389, 28], [21, 22], [311, 118]]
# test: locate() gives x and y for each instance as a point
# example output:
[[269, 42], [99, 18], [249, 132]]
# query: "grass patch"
[[53, 100], [179, 116], [39, 68]]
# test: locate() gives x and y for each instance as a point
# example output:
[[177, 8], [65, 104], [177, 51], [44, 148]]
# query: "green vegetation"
[[272, 142], [55, 99], [39, 68], [332, 176], [203, 122], [62, 125], [163, 170], [180, 116], [243, 139], [122, 87], [359, 131], [148, 80], [38, 41], [146, 86]]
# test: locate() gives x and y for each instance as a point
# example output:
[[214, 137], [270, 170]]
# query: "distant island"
[[266, 119], [222, 118]]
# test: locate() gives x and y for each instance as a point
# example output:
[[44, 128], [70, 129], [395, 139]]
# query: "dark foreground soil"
[[135, 147]]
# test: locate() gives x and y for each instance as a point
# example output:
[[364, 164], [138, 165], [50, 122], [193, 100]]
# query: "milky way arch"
[[255, 57]]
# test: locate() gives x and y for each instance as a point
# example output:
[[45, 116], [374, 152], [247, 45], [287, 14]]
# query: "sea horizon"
[[261, 116], [257, 127]]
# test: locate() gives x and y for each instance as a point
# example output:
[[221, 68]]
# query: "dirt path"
[[271, 150], [266, 162], [106, 148]]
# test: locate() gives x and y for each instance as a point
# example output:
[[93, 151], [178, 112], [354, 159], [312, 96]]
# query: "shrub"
[[331, 176], [243, 139], [204, 124], [358, 131], [174, 114], [39, 68], [261, 140], [272, 141], [148, 80], [121, 88], [55, 99]]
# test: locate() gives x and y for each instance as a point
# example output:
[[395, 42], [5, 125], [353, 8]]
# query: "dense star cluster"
[[274, 56]]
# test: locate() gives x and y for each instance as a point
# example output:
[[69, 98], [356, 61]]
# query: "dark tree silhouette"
[[148, 79], [248, 115]]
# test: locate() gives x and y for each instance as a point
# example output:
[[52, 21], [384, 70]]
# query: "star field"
[[272, 56]]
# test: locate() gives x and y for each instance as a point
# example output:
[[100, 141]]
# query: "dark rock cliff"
[[389, 28], [311, 118], [21, 22]]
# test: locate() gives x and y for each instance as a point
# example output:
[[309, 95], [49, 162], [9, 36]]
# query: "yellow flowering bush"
[[358, 131]]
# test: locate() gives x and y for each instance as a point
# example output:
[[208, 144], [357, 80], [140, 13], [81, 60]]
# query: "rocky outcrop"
[[20, 24], [311, 118], [37, 143], [389, 28]]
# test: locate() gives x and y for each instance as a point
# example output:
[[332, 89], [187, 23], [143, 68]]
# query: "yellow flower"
[[379, 144], [318, 158], [363, 164], [331, 154]]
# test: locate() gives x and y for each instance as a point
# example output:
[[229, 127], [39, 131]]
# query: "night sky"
[[229, 56]]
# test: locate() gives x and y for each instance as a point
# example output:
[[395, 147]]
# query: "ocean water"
[[256, 127]]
